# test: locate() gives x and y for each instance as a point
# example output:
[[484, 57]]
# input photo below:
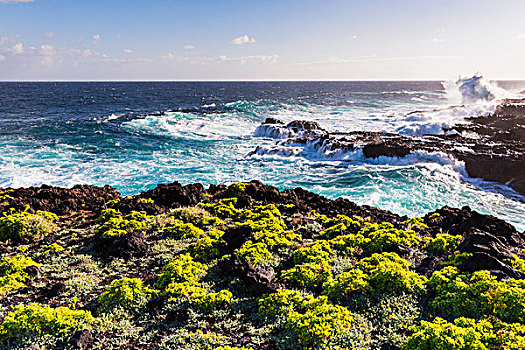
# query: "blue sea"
[[135, 135]]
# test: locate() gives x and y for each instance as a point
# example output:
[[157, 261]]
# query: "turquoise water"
[[136, 135]]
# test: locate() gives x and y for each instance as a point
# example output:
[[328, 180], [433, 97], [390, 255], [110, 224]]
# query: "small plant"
[[314, 320], [308, 275], [477, 294], [316, 252], [442, 243], [54, 248], [113, 224], [13, 272], [197, 296], [36, 319], [347, 282], [127, 293], [21, 224], [385, 234], [180, 230], [466, 334], [206, 248], [416, 223], [235, 189], [180, 269], [254, 253]]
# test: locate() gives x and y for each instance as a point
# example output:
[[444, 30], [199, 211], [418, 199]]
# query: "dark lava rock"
[[81, 339], [178, 314], [260, 280], [429, 264], [53, 290], [32, 270], [272, 121], [400, 249], [306, 125], [61, 201], [175, 195], [127, 205], [386, 150], [235, 237], [127, 246]]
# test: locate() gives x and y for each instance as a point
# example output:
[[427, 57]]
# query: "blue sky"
[[260, 40]]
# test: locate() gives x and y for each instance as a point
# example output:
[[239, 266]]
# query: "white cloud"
[[14, 1], [438, 40], [49, 35], [47, 50], [17, 49], [520, 37], [128, 51], [354, 37], [245, 59], [245, 39], [189, 47], [96, 38]]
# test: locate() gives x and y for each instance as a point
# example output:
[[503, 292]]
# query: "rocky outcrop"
[[175, 195], [131, 245], [61, 201], [491, 147], [259, 280]]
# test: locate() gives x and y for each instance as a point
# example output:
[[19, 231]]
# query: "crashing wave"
[[272, 128]]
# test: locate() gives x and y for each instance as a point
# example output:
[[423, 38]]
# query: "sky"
[[261, 40]]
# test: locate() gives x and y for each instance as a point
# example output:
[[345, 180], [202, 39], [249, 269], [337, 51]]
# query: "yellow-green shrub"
[[308, 275], [180, 269], [466, 334], [126, 293], [180, 230], [12, 272], [314, 320], [442, 243], [477, 294], [197, 296], [207, 247], [316, 252], [21, 224], [36, 319], [253, 253]]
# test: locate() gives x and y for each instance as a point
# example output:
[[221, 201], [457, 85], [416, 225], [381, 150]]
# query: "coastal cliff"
[[249, 266]]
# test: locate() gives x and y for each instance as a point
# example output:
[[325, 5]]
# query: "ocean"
[[135, 135]]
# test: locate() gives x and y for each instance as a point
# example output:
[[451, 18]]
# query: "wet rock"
[[131, 245], [272, 121], [260, 280], [81, 339], [386, 150], [32, 270], [235, 237]]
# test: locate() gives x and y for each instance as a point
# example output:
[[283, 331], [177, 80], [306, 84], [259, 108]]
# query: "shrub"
[[113, 224], [21, 224], [387, 272], [197, 216], [35, 319], [516, 263], [225, 208], [314, 320], [54, 248], [442, 243], [197, 296], [180, 269], [345, 283], [235, 189], [254, 252], [207, 247], [180, 230], [12, 272], [385, 234], [466, 334], [339, 219], [350, 243], [416, 223], [477, 294], [127, 293], [316, 252], [308, 275], [456, 259]]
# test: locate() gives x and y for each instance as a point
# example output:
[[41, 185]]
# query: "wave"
[[192, 126]]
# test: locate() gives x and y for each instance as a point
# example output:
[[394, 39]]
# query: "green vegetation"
[[22, 224], [339, 284], [35, 319], [127, 293], [13, 273], [442, 243]]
